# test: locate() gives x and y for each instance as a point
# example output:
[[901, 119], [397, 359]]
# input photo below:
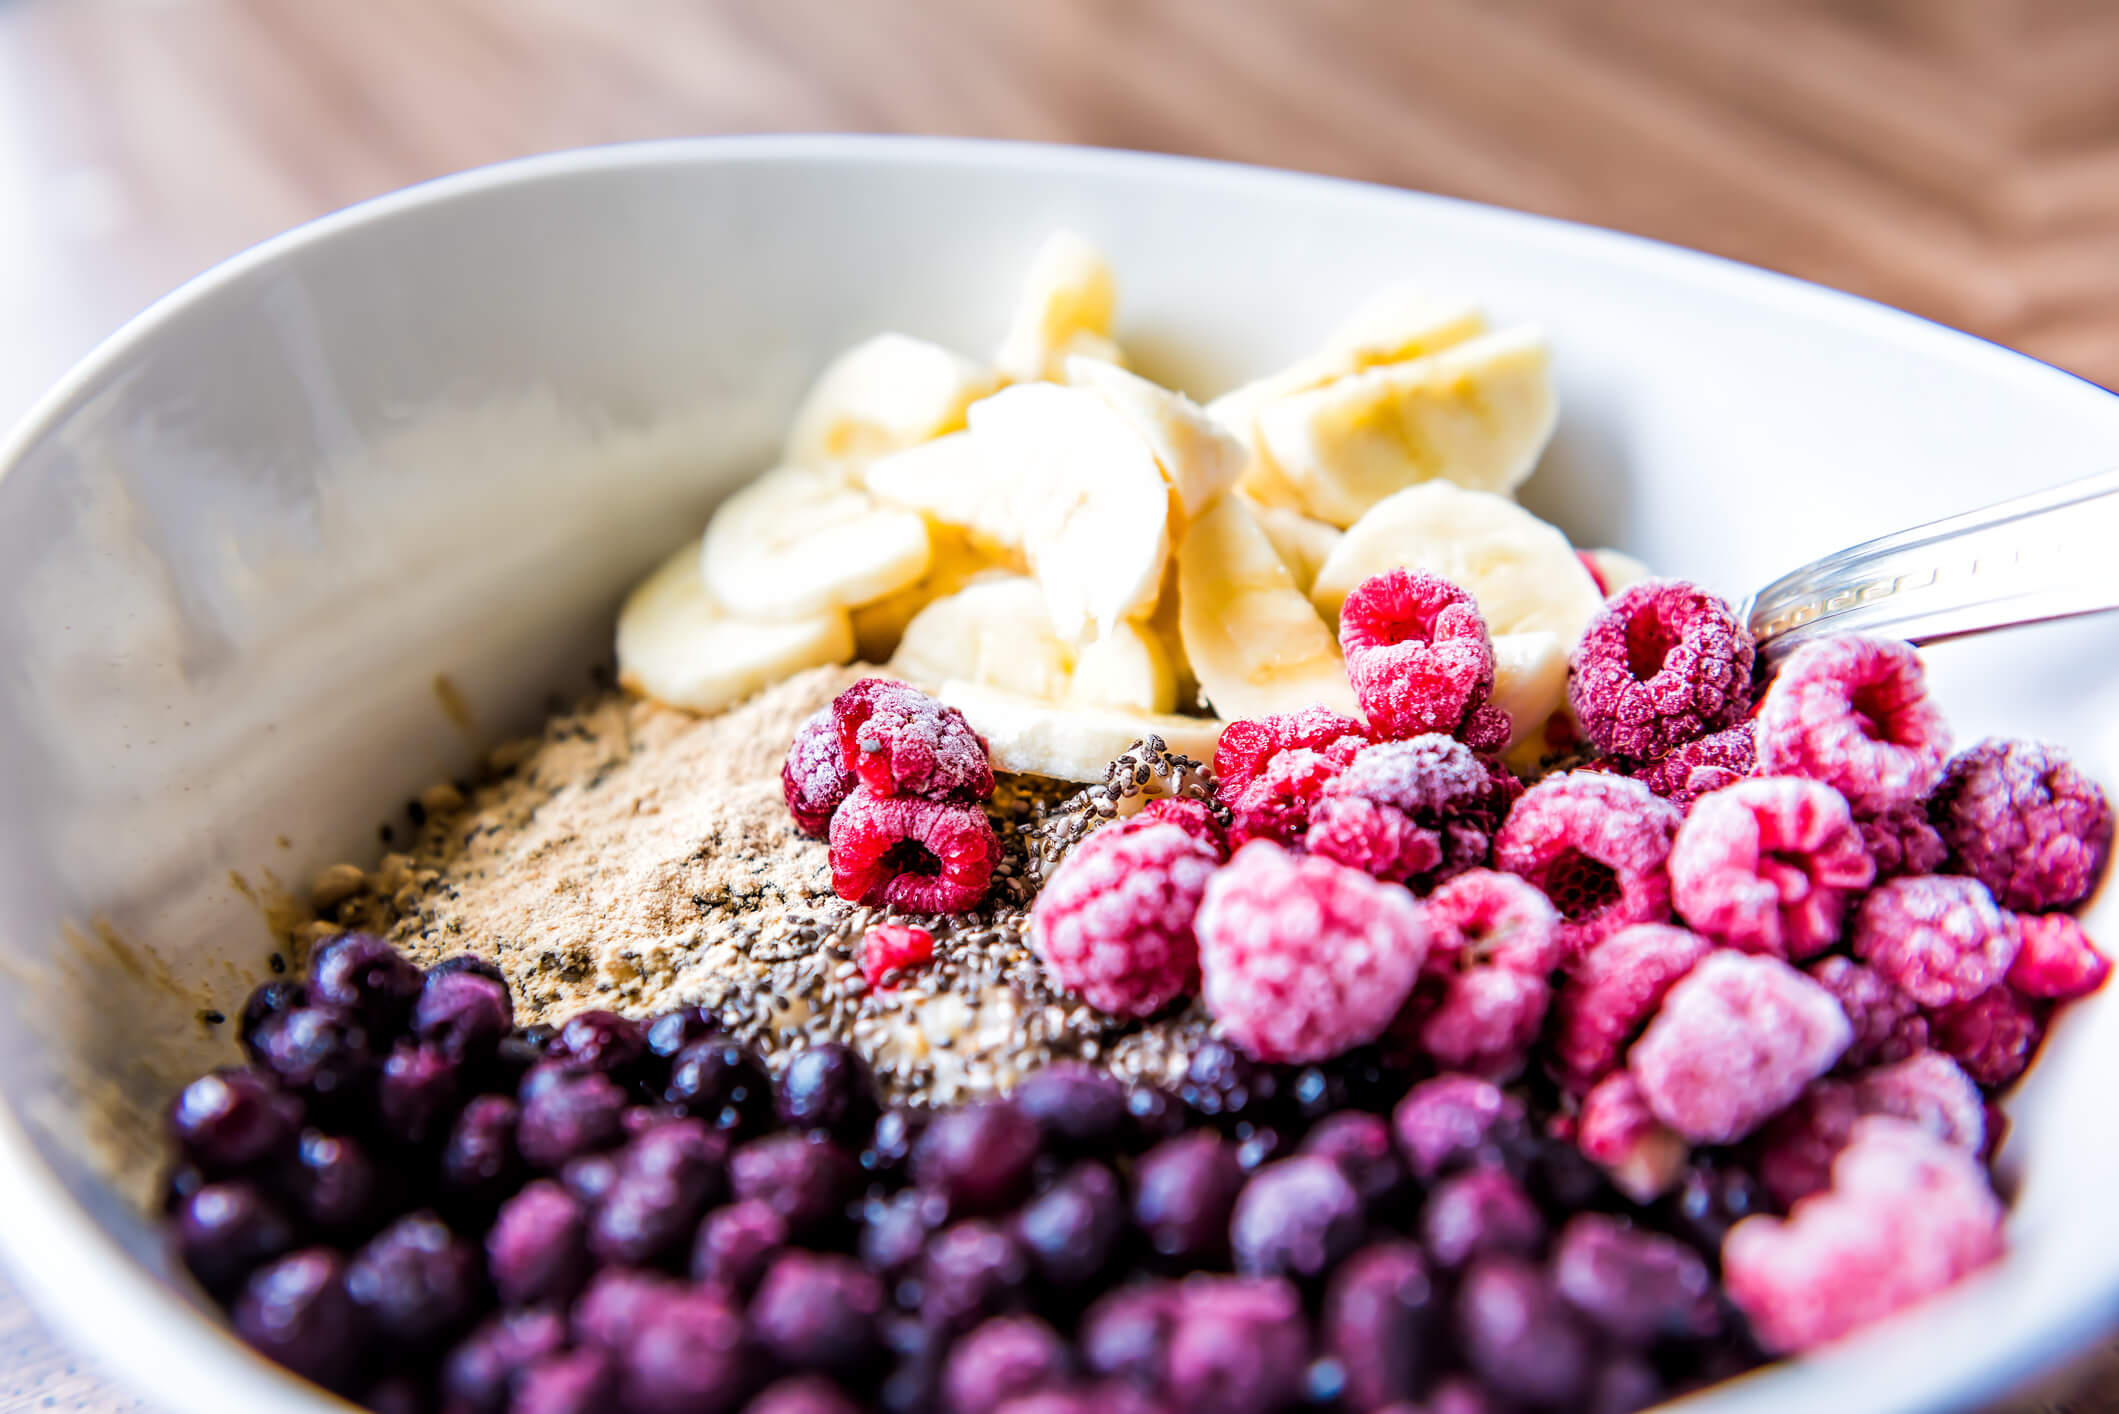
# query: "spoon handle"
[[2049, 555]]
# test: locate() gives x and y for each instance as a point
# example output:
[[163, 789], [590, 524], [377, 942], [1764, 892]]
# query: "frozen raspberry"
[[814, 777], [1797, 1147], [1932, 1091], [1248, 746], [922, 855], [1906, 1216], [1737, 1039], [1992, 1036], [1414, 812], [1619, 1134], [1277, 805], [1700, 767], [1597, 845], [1420, 659], [1195, 817], [1937, 938], [2023, 821], [1114, 925], [1887, 1023], [1485, 1021], [1663, 663], [2056, 960], [1303, 958], [1613, 992], [889, 950], [1903, 841], [1854, 713], [1485, 918], [1493, 941], [900, 741], [1768, 865]]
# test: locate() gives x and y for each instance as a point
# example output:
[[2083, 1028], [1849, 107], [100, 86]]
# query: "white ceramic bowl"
[[439, 433]]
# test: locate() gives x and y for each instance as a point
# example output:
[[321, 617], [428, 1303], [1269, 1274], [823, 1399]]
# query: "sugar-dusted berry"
[[2022, 820], [2055, 959], [1903, 841], [1888, 1024], [1937, 938], [1420, 658], [1414, 812], [1611, 994], [1114, 924], [1663, 663], [890, 951], [814, 778], [1494, 941], [1703, 765], [924, 855], [1597, 846], [1769, 865], [1854, 713], [900, 741], [1993, 1036], [1617, 1131]]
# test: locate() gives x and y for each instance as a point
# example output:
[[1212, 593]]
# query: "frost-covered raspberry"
[[1279, 801], [1854, 713], [926, 856], [1420, 659], [1249, 744], [1195, 817], [1414, 812], [2056, 961], [1114, 924], [2023, 821], [1663, 663], [1903, 841], [1937, 938], [1612, 993], [1932, 1091], [1993, 1036], [814, 778], [1797, 1147], [1906, 1216], [1618, 1133], [1735, 1040], [1449, 1121], [1303, 958], [1888, 1025], [1485, 1020], [1493, 941], [890, 950], [1596, 844], [1698, 767], [1769, 865], [900, 741]]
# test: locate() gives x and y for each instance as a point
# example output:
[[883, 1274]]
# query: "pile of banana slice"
[[1077, 557]]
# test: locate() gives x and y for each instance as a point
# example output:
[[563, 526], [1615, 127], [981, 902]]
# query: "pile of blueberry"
[[412, 1202]]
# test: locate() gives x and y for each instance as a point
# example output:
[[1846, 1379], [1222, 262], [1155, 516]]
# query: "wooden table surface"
[[1959, 158]]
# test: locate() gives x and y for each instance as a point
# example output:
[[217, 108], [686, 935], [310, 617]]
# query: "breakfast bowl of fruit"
[[839, 774]]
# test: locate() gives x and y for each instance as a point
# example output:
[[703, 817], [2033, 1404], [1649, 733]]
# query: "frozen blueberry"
[[228, 1120], [1240, 1346], [1126, 1334], [828, 1087], [417, 1094], [802, 1394], [617, 1304], [296, 1312], [1477, 1213], [397, 1393], [1638, 1287], [477, 1375], [469, 962], [1183, 1193], [265, 1003], [226, 1230], [1004, 1358], [1379, 1322], [578, 1382], [1623, 1384], [971, 1270], [894, 1230], [316, 1051], [1295, 1218], [734, 1246], [1710, 1199], [1071, 1230], [1152, 1116], [1361, 1145], [1519, 1336], [723, 1083], [601, 1041], [462, 1014], [1223, 1084], [1077, 1109], [689, 1355], [805, 1178], [672, 1031], [815, 1311], [537, 1250], [890, 1145], [363, 976], [418, 1284], [667, 1178], [590, 1177], [978, 1157], [1453, 1120], [564, 1116], [479, 1159], [331, 1181]]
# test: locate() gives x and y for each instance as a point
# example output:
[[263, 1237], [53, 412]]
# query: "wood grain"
[[1959, 158]]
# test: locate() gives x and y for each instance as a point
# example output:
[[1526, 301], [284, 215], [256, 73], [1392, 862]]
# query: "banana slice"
[[1303, 544], [1127, 667], [880, 624], [1199, 457], [800, 540], [1069, 742], [1254, 641], [994, 632], [889, 392], [1477, 414], [1066, 307], [1530, 679], [954, 480], [1617, 569], [676, 646], [1165, 626]]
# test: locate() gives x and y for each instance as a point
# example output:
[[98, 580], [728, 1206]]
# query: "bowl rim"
[[98, 1298]]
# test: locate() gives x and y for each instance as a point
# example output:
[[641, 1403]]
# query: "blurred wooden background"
[[1959, 158]]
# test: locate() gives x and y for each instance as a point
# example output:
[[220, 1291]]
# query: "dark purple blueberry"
[[1005, 1357], [479, 1160], [590, 1177], [398, 1393], [1296, 1218], [565, 1116], [331, 1181], [316, 1051], [815, 1311], [417, 1095], [1623, 1384], [1451, 1121], [1361, 1145], [1712, 1198], [1256, 1147], [268, 1001], [639, 1119], [802, 1394], [420, 1285], [1223, 1084], [537, 1250], [978, 1157], [183, 1181], [724, 1083], [362, 975], [805, 1178], [890, 1146], [1519, 1336], [228, 1120], [296, 1312], [1077, 1109], [1379, 1320], [578, 1382], [1183, 1193], [914, 1383], [602, 1041], [828, 1087], [226, 1230], [469, 962], [1072, 1229], [1459, 1394], [1318, 1091], [462, 1014], [519, 1052], [1560, 1178], [1479, 1213], [667, 1178], [476, 1376], [1639, 1287], [971, 1270], [1126, 1335], [672, 1031], [690, 1355], [610, 1313], [1240, 1346], [894, 1230], [734, 1246], [1153, 1115]]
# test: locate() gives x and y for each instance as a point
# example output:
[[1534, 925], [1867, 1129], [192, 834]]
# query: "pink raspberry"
[[1797, 1147], [1114, 924], [890, 950], [2056, 961], [1493, 941], [1735, 1040], [1485, 1021], [1932, 1091], [1613, 992], [1702, 766], [1937, 938], [900, 741], [1596, 844], [1596, 572], [814, 778], [1620, 1135], [925, 856], [1449, 1121], [1302, 958], [2024, 822], [1993, 1036], [1768, 865], [1278, 803], [1488, 919], [1663, 663], [1854, 713], [1195, 817], [1887, 1023], [1414, 812], [1906, 1216], [1273, 769], [1903, 841], [1420, 659]]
